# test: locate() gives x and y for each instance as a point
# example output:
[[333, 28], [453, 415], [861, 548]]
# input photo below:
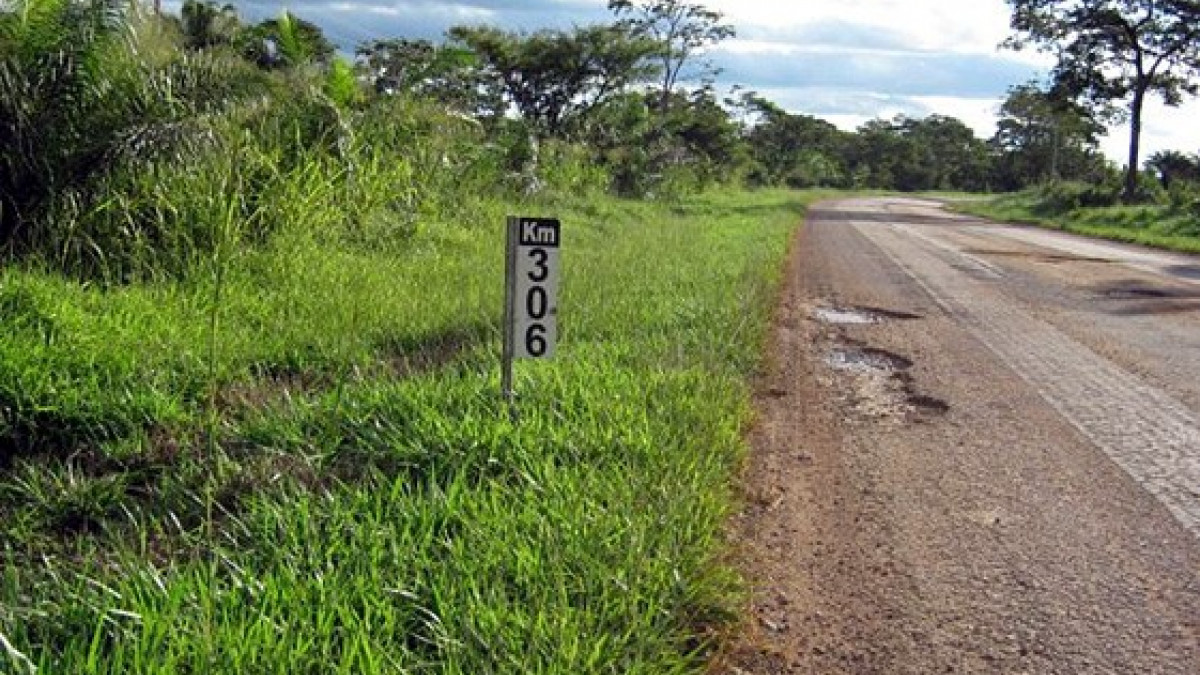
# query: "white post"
[[531, 280]]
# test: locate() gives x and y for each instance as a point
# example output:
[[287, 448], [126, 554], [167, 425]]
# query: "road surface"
[[978, 451]]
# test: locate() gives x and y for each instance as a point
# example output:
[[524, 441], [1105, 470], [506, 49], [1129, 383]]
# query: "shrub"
[[85, 86], [1065, 196], [1184, 197]]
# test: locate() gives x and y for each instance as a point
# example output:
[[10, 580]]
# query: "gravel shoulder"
[[978, 461]]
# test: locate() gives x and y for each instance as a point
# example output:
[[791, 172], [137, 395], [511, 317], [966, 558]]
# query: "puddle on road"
[[850, 317], [867, 360], [882, 387], [857, 316]]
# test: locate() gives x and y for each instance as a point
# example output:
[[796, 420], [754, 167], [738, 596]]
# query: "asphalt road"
[[978, 451]]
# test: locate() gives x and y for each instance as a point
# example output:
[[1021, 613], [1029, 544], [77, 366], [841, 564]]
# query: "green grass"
[[299, 462], [1149, 225]]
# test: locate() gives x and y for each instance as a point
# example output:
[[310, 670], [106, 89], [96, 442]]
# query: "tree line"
[[1111, 56], [87, 84], [616, 87]]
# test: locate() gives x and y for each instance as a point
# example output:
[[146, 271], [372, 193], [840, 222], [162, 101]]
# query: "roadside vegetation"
[[324, 478], [1110, 58], [1169, 222], [249, 401]]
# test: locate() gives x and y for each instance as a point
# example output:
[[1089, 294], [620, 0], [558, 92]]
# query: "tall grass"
[[1173, 226], [249, 418], [398, 522]]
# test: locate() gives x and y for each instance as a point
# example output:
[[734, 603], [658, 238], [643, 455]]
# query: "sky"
[[847, 61]]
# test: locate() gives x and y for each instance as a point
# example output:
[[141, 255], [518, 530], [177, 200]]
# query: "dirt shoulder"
[[914, 505]]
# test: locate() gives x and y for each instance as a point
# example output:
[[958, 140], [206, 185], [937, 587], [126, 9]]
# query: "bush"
[[84, 90], [288, 159], [240, 175], [1065, 196], [1149, 190], [1184, 197], [571, 171]]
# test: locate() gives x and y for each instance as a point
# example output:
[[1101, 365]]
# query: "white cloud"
[[1163, 128], [977, 26], [977, 113], [882, 38], [778, 48], [846, 108], [453, 13]]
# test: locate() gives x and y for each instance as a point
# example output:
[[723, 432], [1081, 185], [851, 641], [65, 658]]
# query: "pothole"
[[1038, 256], [867, 360], [838, 315], [1137, 293], [1132, 289], [927, 405], [857, 316], [881, 387]]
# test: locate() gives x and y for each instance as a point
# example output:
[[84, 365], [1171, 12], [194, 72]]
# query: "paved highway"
[[978, 451]]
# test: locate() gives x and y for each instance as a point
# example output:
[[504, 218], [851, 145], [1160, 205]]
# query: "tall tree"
[[1173, 165], [681, 30], [555, 77], [206, 24], [1043, 135], [1116, 50], [444, 73]]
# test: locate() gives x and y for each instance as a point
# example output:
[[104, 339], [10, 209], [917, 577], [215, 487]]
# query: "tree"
[[709, 139], [286, 41], [444, 73], [952, 155], [1116, 50], [1172, 165], [934, 153], [205, 24], [679, 29], [554, 78], [1043, 135], [795, 150]]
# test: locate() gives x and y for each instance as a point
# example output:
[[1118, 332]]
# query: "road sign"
[[533, 304], [531, 291]]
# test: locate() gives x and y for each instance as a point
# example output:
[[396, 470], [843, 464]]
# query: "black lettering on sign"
[[535, 340], [536, 232], [540, 258], [536, 303]]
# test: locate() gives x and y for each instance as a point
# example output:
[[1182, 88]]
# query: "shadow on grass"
[[796, 205], [833, 215], [410, 356], [394, 357], [64, 478]]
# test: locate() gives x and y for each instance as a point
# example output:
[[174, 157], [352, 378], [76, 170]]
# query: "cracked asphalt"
[[978, 450]]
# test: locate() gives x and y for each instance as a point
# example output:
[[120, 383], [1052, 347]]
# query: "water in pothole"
[[838, 315], [866, 360], [857, 316]]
